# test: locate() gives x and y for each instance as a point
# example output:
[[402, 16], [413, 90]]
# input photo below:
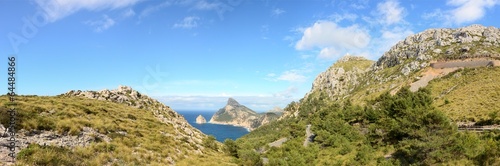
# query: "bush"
[[231, 148], [210, 142]]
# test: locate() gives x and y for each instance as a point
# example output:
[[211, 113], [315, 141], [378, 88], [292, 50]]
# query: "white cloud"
[[391, 12], [327, 34], [278, 11], [292, 76], [102, 24], [469, 10], [288, 93], [188, 22], [463, 11], [341, 17], [58, 9], [328, 53]]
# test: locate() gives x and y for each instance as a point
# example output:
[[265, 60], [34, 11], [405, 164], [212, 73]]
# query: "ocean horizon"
[[221, 132]]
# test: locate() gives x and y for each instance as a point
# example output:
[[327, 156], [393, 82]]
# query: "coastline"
[[222, 123]]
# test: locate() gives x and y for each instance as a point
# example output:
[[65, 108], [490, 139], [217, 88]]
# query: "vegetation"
[[361, 64], [144, 141], [469, 94], [404, 129]]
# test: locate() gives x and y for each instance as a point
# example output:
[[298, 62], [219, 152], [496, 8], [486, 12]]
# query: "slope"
[[109, 127]]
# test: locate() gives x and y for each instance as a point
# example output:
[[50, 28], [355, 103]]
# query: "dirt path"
[[278, 143], [309, 135], [429, 75]]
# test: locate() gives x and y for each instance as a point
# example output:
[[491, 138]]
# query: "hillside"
[[108, 127], [402, 109]]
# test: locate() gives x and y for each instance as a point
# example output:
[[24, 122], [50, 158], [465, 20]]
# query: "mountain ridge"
[[378, 97]]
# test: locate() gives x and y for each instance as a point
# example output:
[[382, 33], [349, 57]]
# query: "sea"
[[220, 132]]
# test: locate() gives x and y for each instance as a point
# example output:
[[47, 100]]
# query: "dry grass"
[[469, 94], [142, 145]]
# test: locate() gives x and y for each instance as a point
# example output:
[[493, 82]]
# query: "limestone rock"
[[239, 115], [235, 114], [200, 119], [442, 44], [337, 81]]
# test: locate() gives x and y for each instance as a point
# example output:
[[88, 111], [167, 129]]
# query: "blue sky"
[[194, 54]]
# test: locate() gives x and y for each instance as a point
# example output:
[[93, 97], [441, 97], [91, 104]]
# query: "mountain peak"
[[232, 102], [349, 57]]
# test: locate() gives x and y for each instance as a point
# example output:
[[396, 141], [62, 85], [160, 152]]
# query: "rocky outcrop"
[[200, 119], [128, 96], [342, 77], [416, 51]]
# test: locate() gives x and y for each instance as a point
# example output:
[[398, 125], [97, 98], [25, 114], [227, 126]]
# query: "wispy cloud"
[[341, 17], [204, 5], [277, 12], [391, 12], [151, 9], [128, 13], [102, 24], [187, 22], [58, 9], [292, 76]]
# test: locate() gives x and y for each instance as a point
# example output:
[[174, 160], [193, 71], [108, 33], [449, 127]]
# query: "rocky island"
[[239, 115], [200, 119]]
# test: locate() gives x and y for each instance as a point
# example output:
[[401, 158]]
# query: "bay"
[[220, 132]]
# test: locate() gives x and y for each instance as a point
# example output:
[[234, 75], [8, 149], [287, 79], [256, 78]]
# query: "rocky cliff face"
[[415, 52], [236, 114], [239, 115], [200, 119], [342, 77]]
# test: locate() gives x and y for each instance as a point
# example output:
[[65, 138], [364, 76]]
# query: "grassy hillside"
[[469, 94], [137, 137]]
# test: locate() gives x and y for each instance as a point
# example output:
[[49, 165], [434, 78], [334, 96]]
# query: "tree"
[[231, 148]]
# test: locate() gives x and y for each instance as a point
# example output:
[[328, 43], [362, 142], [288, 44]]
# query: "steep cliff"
[[236, 114]]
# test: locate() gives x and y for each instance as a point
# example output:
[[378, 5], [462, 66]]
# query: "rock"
[[200, 119], [128, 96], [336, 80], [235, 114], [232, 102], [435, 42]]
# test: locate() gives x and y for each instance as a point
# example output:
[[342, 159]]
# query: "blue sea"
[[221, 132]]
